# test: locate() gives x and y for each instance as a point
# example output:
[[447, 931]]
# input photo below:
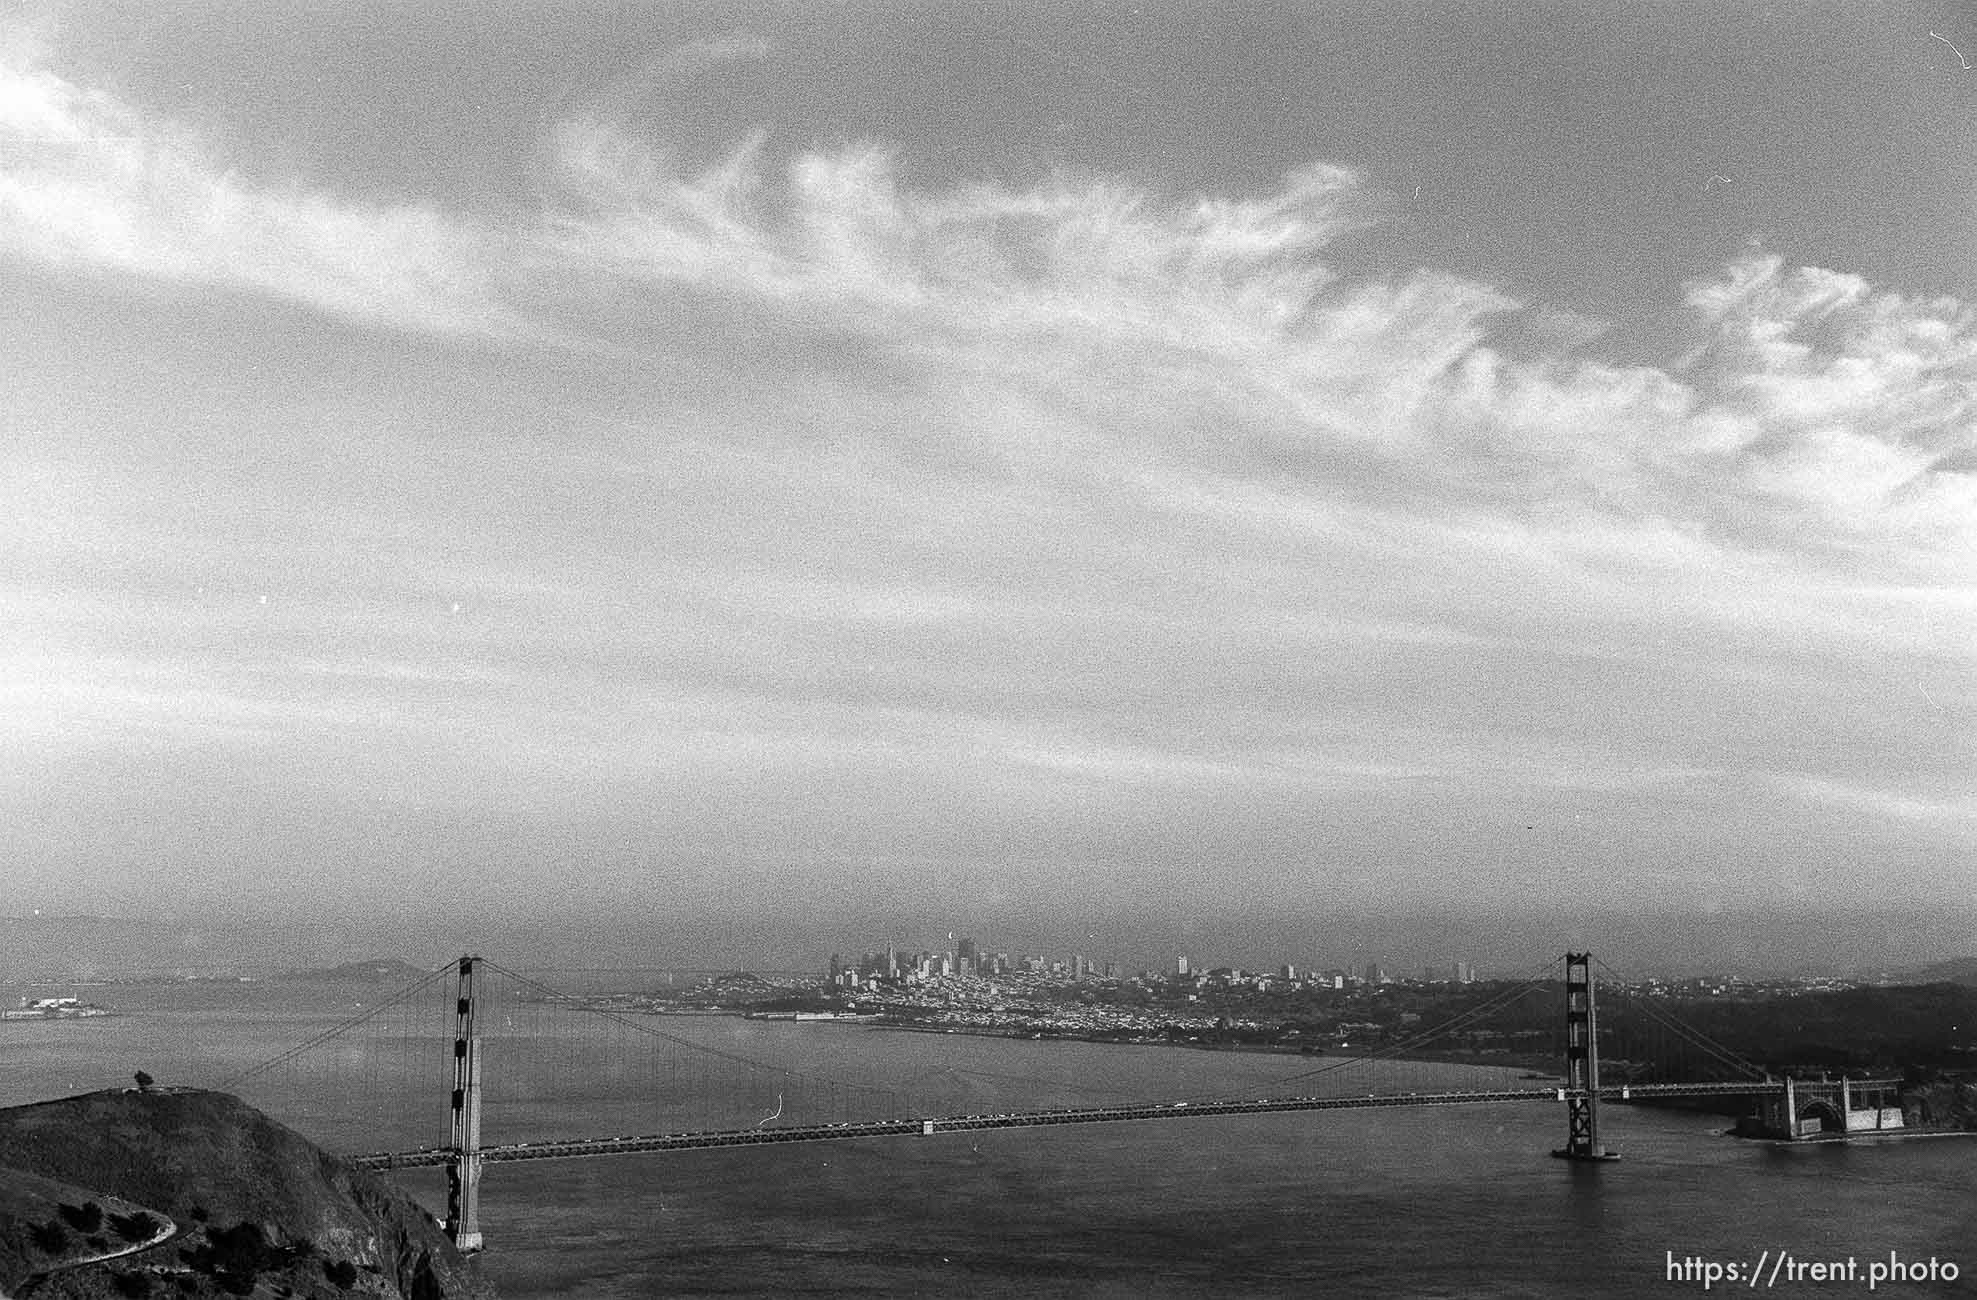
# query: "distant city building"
[[967, 960], [1181, 967], [1375, 973]]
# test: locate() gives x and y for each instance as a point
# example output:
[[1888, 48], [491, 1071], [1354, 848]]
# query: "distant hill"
[[66, 949], [43, 948], [1958, 970], [388, 970], [259, 1209]]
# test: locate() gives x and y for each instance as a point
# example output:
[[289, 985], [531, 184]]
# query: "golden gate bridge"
[[517, 1070]]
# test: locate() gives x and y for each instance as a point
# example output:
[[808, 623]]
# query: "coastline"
[[1869, 1135], [1552, 1075]]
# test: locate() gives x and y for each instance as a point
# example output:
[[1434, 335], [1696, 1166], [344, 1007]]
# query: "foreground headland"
[[190, 1193]]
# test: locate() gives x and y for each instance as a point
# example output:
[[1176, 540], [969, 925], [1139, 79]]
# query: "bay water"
[[1433, 1202]]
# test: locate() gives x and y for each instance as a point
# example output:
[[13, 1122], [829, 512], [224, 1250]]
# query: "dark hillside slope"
[[44, 1225], [259, 1207]]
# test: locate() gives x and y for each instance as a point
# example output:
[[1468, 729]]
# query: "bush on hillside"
[[87, 1217], [135, 1226]]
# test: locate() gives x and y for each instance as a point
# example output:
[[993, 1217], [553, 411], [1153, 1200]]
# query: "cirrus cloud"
[[1139, 510]]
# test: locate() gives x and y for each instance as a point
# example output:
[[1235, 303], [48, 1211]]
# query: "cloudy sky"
[[843, 456]]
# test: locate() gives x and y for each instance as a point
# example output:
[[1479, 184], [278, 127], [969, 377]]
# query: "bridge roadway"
[[573, 1147]]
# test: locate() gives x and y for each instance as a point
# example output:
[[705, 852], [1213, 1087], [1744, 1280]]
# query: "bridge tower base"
[[463, 1175], [1581, 1064]]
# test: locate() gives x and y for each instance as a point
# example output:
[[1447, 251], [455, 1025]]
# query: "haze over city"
[[730, 467]]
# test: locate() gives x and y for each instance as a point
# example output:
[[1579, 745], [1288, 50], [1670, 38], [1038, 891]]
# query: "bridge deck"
[[926, 1126]]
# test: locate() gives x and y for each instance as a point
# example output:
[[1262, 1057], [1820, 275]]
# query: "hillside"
[[61, 948], [1892, 1027], [387, 970], [59, 1225], [258, 1208], [1960, 970]]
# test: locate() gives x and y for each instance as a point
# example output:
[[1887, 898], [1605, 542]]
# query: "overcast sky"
[[951, 457]]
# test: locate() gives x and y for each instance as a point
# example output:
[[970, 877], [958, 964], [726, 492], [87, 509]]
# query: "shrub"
[[50, 1238], [243, 1248], [135, 1226], [341, 1273], [87, 1217]]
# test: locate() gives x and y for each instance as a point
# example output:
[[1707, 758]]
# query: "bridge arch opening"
[[1829, 1116]]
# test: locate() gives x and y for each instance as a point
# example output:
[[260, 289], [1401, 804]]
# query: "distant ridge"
[[54, 948], [385, 970], [1958, 970]]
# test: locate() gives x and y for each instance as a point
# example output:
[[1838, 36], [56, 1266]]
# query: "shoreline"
[[1547, 1071], [1539, 1072], [1871, 1135]]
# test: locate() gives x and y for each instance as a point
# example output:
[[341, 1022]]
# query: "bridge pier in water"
[[463, 1175], [1788, 1108], [1581, 1064]]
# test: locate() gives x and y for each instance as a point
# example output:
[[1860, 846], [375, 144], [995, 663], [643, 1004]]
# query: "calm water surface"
[[1437, 1202]]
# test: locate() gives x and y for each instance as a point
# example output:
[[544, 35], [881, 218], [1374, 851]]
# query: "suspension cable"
[[334, 1031], [1535, 978], [571, 1001], [1695, 1037]]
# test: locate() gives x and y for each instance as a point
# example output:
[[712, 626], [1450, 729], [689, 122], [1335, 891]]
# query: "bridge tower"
[[463, 1176], [1581, 1064]]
